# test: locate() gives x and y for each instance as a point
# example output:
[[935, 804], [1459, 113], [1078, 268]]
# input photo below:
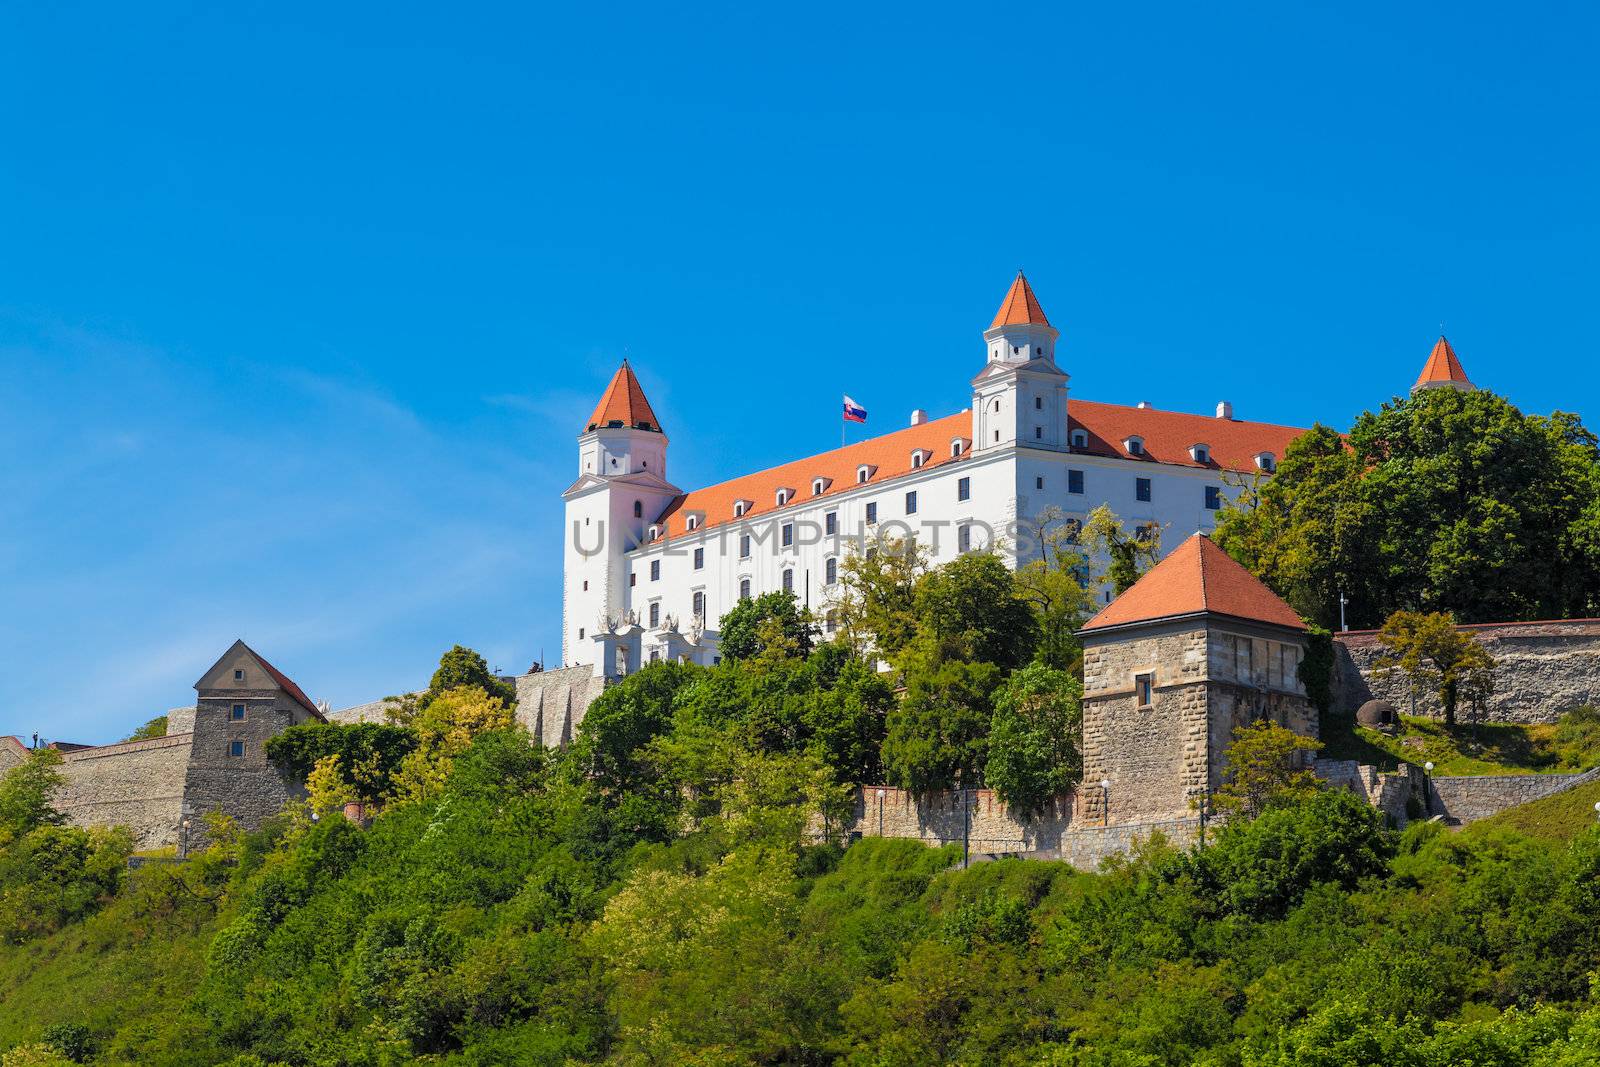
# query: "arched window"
[[744, 589], [788, 581], [638, 509], [832, 570]]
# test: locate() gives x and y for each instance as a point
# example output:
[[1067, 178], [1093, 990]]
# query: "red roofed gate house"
[[1197, 647]]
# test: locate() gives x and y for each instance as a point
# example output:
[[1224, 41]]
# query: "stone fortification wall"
[[1545, 669], [1388, 792], [180, 721], [374, 711], [992, 829], [137, 784], [551, 704], [1468, 798]]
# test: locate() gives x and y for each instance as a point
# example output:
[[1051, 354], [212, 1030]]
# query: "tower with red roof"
[[1443, 370], [1194, 649]]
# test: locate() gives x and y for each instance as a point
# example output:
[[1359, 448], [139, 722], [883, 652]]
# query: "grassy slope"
[[1554, 818], [1489, 748], [127, 963]]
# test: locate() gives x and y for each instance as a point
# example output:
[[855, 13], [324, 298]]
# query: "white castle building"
[[650, 569]]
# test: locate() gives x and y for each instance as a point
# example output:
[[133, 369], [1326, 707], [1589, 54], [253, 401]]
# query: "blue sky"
[[302, 306]]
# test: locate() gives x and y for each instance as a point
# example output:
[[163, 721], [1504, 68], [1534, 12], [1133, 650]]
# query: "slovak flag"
[[854, 412]]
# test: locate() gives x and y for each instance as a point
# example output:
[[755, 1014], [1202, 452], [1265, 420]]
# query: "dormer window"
[[820, 485], [865, 473], [740, 507], [1080, 438], [918, 458], [1133, 445], [1200, 453], [692, 522], [655, 532], [958, 447], [781, 497], [1266, 461]]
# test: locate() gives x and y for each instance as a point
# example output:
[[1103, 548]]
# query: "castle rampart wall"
[[137, 784], [1545, 669]]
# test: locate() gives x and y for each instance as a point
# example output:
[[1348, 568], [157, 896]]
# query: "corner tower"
[[621, 489], [1443, 370], [1020, 396]]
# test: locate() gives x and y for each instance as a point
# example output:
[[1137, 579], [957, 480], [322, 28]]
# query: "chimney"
[[1224, 410], [1145, 405], [918, 417]]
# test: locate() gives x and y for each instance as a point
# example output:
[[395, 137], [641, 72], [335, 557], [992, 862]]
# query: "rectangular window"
[[1213, 498], [1075, 482], [964, 489], [237, 713], [633, 579], [911, 503], [238, 675], [236, 748], [1144, 686], [963, 539], [744, 546], [744, 589], [580, 633], [788, 581], [788, 534], [830, 522], [1141, 489], [872, 512], [699, 558], [1038, 483], [832, 570], [1038, 433], [655, 613], [655, 570]]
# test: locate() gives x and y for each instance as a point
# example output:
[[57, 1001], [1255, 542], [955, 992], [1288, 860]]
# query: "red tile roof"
[[623, 404], [1020, 306], [1197, 577], [1167, 437], [286, 682], [1442, 366]]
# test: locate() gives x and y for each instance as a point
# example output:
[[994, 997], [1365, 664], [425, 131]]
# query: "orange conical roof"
[[1197, 577], [1442, 367], [623, 404], [1020, 307]]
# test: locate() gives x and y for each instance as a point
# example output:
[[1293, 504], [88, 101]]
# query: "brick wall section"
[[551, 704], [137, 784], [1388, 792], [1468, 798], [1545, 669]]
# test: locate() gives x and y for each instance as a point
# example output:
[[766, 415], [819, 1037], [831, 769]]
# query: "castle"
[[1195, 648]]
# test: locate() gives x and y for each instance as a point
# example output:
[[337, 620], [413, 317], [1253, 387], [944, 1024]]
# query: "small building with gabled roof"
[[1194, 649]]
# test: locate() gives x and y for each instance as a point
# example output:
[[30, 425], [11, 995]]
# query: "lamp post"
[[880, 812], [961, 795], [1343, 600], [1105, 802], [1597, 809], [1427, 788]]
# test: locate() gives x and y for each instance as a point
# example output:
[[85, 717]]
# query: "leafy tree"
[[940, 726], [1441, 501], [156, 727], [875, 605], [369, 753], [445, 728], [462, 667], [970, 608], [1035, 738], [741, 627], [1128, 555], [1266, 766], [846, 721], [1433, 653], [25, 794], [1056, 583], [1316, 668]]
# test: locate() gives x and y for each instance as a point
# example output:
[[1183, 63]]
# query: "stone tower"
[[1020, 396], [1197, 647], [242, 701], [621, 490]]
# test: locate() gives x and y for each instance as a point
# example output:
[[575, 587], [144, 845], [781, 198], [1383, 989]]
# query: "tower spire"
[[623, 404], [1443, 370], [1020, 307]]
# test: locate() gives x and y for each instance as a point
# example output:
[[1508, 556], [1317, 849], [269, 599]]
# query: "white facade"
[[651, 582]]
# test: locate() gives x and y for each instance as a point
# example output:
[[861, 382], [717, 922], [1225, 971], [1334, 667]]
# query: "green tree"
[[1266, 766], [971, 608], [462, 666], [1035, 738], [1433, 653], [875, 604], [941, 725], [25, 795], [1128, 555], [740, 631], [156, 727], [1055, 582]]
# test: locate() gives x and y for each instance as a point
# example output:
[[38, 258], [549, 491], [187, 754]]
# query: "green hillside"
[[1558, 818], [1573, 744]]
